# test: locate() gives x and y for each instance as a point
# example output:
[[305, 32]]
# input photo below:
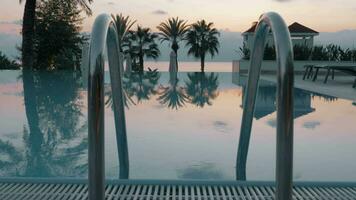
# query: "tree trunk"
[[175, 48], [202, 62], [35, 142], [141, 62], [28, 33]]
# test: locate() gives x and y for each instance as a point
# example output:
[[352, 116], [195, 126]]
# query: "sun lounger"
[[309, 71]]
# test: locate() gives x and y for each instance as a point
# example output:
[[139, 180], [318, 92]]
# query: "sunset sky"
[[334, 19], [232, 15]]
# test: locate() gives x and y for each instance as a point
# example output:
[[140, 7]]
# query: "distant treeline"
[[329, 52], [52, 38], [7, 63]]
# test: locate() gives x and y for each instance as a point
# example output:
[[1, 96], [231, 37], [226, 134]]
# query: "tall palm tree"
[[28, 29], [123, 26], [173, 30], [28, 33], [202, 39], [143, 44]]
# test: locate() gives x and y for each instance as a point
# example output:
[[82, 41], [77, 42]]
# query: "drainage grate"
[[37, 191]]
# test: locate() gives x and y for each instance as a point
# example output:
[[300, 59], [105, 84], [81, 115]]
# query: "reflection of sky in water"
[[172, 133], [201, 171]]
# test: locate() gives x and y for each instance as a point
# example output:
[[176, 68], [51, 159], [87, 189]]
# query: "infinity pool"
[[178, 128]]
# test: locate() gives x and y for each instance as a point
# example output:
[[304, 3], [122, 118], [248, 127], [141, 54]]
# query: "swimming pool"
[[177, 129]]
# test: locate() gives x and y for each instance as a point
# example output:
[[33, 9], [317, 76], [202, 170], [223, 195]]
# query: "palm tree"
[[143, 44], [173, 30], [28, 29], [202, 39], [28, 33], [123, 26]]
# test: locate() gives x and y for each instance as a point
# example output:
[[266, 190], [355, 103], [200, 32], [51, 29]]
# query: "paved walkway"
[[341, 87]]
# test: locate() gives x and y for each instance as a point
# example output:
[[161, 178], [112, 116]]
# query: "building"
[[301, 35]]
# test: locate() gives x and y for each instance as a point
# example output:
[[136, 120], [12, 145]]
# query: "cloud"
[[272, 123], [222, 126], [282, 0], [201, 171], [12, 22], [111, 3], [160, 12], [311, 124]]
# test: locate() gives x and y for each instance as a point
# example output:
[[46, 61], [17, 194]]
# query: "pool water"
[[178, 128]]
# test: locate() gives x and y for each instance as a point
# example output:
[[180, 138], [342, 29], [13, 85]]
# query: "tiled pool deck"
[[341, 87]]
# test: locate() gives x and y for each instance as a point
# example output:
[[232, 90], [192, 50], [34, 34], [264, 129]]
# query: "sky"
[[232, 15], [229, 16]]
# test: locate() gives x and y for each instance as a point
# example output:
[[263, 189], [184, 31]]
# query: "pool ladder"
[[104, 35]]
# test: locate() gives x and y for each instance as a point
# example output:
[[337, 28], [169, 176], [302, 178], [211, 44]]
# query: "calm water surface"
[[178, 128]]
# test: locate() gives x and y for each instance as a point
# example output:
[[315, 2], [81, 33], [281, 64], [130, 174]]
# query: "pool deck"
[[145, 189], [341, 87]]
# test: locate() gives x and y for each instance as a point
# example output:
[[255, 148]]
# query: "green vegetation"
[[141, 43], [173, 31], [28, 48], [269, 53], [329, 52], [6, 63], [202, 39], [123, 26], [245, 52], [28, 33], [52, 38], [58, 40]]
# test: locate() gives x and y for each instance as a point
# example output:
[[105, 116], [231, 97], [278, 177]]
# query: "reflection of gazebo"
[[266, 100], [302, 103]]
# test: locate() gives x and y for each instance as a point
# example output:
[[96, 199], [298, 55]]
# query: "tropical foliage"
[[269, 53], [141, 43], [28, 27], [123, 26], [28, 33], [58, 20], [302, 52], [202, 39], [245, 52], [6, 63], [329, 52], [173, 31]]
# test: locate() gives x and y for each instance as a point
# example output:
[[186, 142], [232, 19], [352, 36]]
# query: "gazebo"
[[301, 35]]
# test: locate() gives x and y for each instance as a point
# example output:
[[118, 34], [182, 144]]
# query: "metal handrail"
[[104, 35], [285, 80]]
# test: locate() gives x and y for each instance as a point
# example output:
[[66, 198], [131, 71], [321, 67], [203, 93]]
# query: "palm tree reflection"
[[173, 96], [54, 142], [202, 88], [139, 85]]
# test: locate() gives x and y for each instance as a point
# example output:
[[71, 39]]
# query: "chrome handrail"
[[285, 80], [104, 35]]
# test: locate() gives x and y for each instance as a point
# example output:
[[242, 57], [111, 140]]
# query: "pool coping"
[[173, 182]]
